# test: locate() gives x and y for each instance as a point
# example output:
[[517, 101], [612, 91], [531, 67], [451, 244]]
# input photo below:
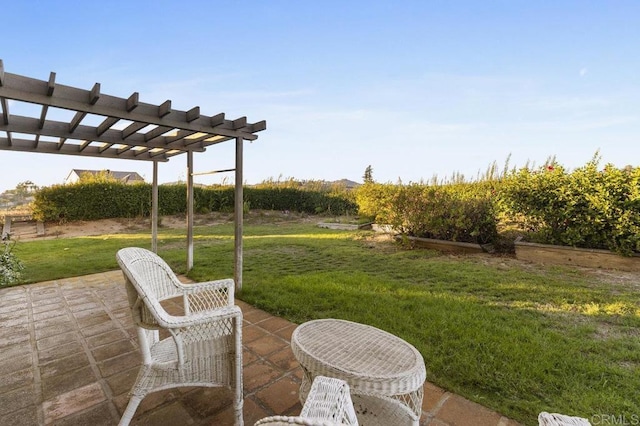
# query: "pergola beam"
[[60, 129], [30, 90], [25, 145]]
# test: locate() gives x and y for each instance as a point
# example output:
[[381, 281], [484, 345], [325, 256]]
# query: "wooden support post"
[[189, 210], [154, 209], [238, 210]]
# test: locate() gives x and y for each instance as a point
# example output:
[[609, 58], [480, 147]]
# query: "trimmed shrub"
[[588, 208], [461, 212], [108, 199]]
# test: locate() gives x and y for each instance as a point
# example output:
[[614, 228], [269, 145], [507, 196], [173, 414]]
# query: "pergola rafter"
[[174, 131], [148, 132]]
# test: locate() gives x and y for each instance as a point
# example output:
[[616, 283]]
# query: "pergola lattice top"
[[152, 133]]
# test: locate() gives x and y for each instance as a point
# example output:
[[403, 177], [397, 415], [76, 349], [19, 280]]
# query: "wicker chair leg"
[[238, 397], [130, 410]]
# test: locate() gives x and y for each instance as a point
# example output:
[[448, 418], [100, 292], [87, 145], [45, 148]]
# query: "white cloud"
[[583, 72]]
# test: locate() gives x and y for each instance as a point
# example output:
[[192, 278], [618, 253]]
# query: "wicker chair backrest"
[[149, 280]]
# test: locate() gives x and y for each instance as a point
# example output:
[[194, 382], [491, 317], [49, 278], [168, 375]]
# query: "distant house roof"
[[125, 177]]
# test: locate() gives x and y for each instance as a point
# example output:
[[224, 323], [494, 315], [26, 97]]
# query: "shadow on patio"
[[70, 356]]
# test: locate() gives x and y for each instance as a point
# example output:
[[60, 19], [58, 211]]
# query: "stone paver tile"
[[17, 399], [39, 318], [18, 307], [117, 302], [266, 345], [85, 307], [54, 330], [121, 401], [154, 400], [243, 305], [251, 333], [112, 349], [89, 318], [172, 414], [48, 303], [122, 314], [72, 402], [15, 319], [274, 324], [259, 374], [14, 363], [205, 402], [65, 382], [286, 332], [280, 396], [104, 338], [284, 359], [298, 373], [17, 379], [60, 339], [432, 397], [435, 422], [25, 417], [252, 412], [84, 298], [120, 363], [10, 298], [121, 383], [64, 365], [99, 415], [14, 335], [57, 305], [461, 412], [248, 357], [96, 329], [504, 421], [254, 315], [51, 354], [59, 320]]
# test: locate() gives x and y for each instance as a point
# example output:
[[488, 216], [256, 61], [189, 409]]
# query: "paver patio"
[[70, 356]]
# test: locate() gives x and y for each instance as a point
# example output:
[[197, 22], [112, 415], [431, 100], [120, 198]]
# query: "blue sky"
[[412, 88]]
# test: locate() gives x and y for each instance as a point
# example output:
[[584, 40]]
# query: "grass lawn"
[[513, 337]]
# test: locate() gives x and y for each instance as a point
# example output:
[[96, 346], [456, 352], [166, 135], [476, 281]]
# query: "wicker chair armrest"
[[329, 399], [208, 295], [289, 420], [198, 318], [328, 404]]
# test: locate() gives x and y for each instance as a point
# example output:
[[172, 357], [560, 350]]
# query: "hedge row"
[[461, 212], [105, 199], [590, 207]]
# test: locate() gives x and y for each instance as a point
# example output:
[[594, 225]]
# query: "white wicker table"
[[385, 373]]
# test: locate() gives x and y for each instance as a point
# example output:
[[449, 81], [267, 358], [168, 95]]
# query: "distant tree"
[[103, 176], [25, 188], [368, 174]]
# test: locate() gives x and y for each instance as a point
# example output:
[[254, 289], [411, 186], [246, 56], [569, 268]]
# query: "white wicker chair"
[[328, 404], [555, 419], [204, 343]]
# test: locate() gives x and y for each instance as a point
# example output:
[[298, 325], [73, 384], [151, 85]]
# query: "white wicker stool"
[[386, 374]]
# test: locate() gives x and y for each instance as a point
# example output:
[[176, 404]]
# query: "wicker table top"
[[371, 360]]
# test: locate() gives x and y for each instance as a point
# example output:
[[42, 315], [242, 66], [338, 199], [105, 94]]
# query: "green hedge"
[[461, 212], [590, 207], [109, 199]]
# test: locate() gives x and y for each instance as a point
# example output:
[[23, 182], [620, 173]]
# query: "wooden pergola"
[[153, 133]]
